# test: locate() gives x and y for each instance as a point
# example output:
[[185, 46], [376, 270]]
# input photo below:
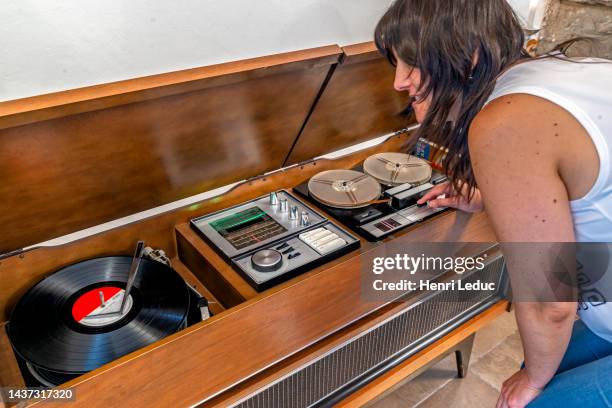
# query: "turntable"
[[273, 238], [378, 198], [91, 313]]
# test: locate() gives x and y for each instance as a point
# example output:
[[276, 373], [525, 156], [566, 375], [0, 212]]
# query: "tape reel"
[[344, 188], [394, 169]]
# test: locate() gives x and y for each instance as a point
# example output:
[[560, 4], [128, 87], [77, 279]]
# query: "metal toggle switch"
[[304, 220], [284, 205], [273, 198], [293, 214]]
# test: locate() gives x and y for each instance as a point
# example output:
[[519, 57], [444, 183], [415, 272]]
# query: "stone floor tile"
[[390, 401], [429, 382], [468, 392], [500, 363], [492, 335]]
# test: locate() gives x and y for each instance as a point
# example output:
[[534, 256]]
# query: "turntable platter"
[[344, 188], [394, 169]]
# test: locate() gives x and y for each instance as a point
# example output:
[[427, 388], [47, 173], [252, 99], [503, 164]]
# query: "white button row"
[[322, 240]]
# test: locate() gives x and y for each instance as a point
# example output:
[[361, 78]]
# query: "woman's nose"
[[401, 82]]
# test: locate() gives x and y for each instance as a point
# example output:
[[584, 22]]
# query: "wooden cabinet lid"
[[75, 159]]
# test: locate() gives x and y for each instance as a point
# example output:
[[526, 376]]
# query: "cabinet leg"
[[463, 354]]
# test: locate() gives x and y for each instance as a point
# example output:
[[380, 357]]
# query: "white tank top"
[[584, 89]]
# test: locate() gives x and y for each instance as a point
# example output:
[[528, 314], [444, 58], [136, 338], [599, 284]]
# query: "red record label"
[[90, 302]]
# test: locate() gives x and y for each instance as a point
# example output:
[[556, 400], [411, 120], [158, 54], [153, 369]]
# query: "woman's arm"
[[516, 152]]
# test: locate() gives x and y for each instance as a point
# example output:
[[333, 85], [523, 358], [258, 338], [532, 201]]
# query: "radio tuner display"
[[247, 227]]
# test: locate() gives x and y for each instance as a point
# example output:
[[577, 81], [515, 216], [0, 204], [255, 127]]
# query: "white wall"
[[52, 45]]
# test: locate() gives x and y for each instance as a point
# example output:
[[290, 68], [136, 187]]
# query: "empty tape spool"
[[393, 169], [67, 324], [344, 188]]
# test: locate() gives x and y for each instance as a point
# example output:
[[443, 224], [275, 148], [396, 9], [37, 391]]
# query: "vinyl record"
[[394, 169], [344, 188], [61, 329]]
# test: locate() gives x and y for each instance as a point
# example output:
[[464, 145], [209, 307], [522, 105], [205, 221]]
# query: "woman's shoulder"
[[517, 122], [536, 133], [522, 121], [522, 126]]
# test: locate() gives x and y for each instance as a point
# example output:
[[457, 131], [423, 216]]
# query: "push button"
[[283, 246]]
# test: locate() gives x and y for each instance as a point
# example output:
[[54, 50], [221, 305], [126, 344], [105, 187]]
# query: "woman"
[[535, 137]]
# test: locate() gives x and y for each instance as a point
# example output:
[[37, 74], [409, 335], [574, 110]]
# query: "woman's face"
[[408, 79]]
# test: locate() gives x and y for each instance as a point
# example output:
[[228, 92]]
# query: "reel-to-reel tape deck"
[[377, 198], [273, 238]]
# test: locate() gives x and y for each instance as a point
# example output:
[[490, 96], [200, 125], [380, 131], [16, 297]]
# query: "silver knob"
[[304, 220], [267, 260], [284, 205], [273, 198], [293, 213]]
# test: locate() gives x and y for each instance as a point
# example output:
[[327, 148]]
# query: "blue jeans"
[[584, 378]]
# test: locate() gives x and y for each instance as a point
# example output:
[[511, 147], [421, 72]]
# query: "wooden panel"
[[18, 273], [72, 172], [214, 305], [211, 269], [358, 104], [58, 104]]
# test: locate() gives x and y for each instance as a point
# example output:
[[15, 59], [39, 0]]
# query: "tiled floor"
[[497, 354]]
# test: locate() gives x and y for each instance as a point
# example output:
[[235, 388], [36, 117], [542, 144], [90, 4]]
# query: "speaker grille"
[[400, 336]]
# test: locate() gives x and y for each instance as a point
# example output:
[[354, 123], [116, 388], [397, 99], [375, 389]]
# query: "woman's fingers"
[[442, 188], [501, 402], [451, 202]]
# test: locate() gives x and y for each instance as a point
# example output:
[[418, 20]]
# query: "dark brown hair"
[[442, 38]]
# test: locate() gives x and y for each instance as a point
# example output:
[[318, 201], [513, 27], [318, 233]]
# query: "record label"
[[100, 307]]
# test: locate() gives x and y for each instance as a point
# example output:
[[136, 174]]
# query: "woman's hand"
[[517, 391], [451, 198]]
